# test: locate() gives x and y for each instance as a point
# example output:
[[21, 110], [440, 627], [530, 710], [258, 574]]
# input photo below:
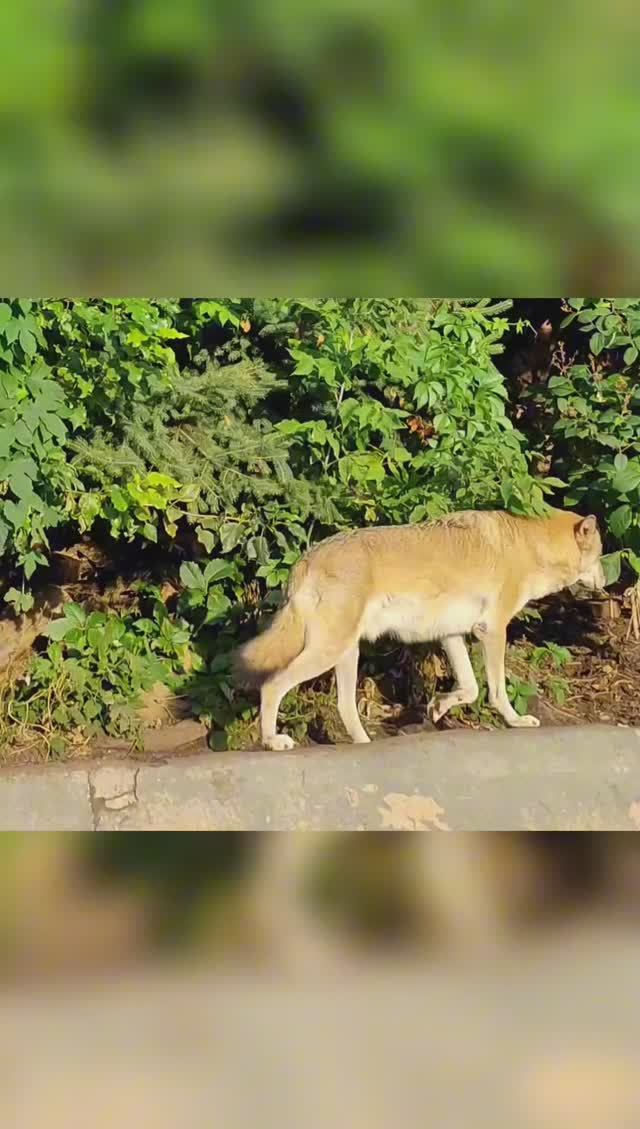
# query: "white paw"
[[438, 707], [279, 743], [527, 721], [361, 739], [433, 710]]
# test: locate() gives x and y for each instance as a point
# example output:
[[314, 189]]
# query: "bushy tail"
[[272, 650]]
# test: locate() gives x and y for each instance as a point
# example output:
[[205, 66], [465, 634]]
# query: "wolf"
[[468, 573]]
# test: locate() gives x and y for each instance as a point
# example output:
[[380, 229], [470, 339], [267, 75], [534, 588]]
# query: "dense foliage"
[[219, 438]]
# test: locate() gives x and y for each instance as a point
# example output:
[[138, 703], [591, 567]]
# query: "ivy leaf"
[[206, 538], [230, 534], [30, 564]]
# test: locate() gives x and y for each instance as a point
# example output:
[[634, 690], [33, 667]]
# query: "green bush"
[[591, 418]]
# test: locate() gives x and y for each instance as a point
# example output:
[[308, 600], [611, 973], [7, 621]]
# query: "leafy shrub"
[[94, 670], [590, 412]]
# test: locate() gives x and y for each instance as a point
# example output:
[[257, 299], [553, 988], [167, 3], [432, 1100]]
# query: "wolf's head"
[[589, 544]]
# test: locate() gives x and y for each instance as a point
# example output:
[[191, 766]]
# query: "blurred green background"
[[339, 148]]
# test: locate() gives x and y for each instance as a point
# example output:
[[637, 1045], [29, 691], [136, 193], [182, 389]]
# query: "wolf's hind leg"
[[312, 662], [346, 679]]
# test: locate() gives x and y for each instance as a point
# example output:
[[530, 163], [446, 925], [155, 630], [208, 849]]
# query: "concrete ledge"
[[543, 779]]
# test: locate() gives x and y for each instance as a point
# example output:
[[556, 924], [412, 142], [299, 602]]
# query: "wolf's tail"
[[273, 649]]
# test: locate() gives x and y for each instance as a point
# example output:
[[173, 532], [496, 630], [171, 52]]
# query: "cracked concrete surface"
[[545, 779], [112, 789]]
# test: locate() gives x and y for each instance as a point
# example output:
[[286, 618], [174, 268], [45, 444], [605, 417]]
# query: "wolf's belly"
[[413, 620]]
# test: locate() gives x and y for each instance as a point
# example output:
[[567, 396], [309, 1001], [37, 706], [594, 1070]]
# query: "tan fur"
[[468, 573], [273, 650]]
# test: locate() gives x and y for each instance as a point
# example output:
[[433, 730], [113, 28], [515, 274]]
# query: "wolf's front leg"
[[466, 687], [494, 642]]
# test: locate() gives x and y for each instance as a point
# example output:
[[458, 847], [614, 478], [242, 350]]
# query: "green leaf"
[[28, 342], [596, 344], [23, 434], [150, 532], [5, 314], [630, 355], [620, 520], [30, 564], [7, 436], [54, 425], [206, 538], [192, 576], [556, 483], [217, 570], [217, 605], [59, 628], [22, 487], [76, 615], [626, 479], [305, 364], [611, 564], [16, 513], [620, 461], [230, 534], [119, 499], [96, 619]]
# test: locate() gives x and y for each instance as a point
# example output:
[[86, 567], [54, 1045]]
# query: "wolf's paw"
[[279, 743], [436, 709], [527, 721]]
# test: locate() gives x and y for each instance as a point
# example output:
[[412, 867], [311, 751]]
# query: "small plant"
[[520, 694], [550, 655], [94, 670], [203, 596], [19, 599]]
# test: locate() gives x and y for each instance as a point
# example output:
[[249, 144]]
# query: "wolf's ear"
[[586, 531]]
